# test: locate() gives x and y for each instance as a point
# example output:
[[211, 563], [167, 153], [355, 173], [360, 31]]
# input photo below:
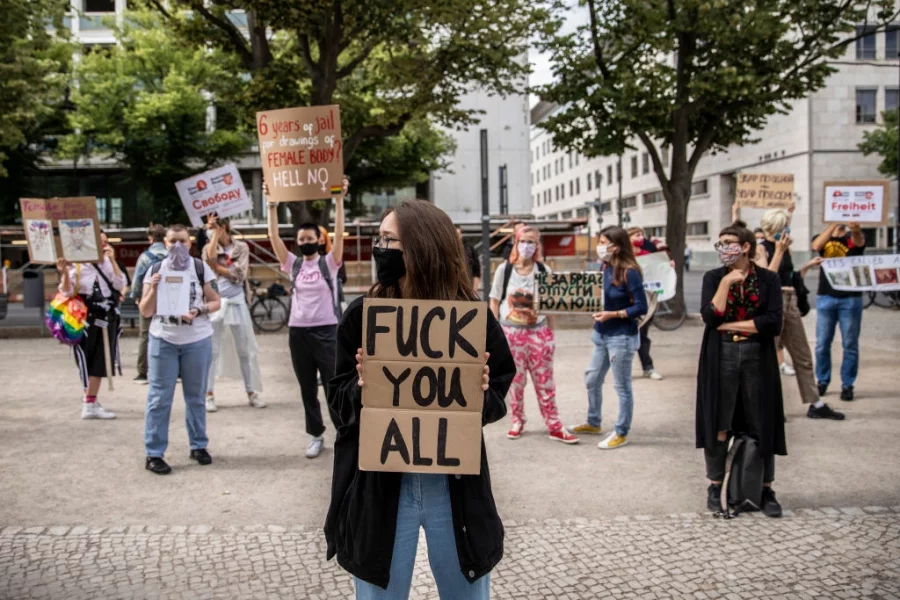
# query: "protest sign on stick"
[[764, 190], [863, 202], [570, 292], [66, 227], [878, 272], [659, 276], [219, 191], [422, 399], [302, 152]]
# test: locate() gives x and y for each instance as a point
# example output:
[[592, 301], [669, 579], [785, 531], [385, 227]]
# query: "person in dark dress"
[[738, 383]]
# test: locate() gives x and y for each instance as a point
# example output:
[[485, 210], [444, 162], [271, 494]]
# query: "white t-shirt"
[[200, 327], [521, 293]]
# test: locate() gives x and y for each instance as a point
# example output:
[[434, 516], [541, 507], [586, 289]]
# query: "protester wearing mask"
[[99, 286], [838, 308], [233, 332], [530, 335], [759, 234], [776, 225], [156, 235], [178, 347], [644, 246], [314, 311], [615, 334], [374, 518], [738, 385]]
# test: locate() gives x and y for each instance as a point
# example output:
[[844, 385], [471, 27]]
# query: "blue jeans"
[[616, 352], [846, 313], [166, 362], [425, 502]]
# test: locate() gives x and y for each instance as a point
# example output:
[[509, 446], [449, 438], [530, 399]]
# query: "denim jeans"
[[846, 313], [167, 362], [425, 502], [615, 352]]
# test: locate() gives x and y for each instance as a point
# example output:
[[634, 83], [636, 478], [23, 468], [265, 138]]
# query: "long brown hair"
[[623, 259], [433, 253]]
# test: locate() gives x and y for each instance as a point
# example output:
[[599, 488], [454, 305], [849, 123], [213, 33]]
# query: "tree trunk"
[[678, 194]]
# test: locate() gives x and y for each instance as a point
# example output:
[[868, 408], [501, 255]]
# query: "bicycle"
[[268, 312], [665, 317], [885, 299]]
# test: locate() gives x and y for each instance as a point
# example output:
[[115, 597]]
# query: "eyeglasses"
[[384, 241], [733, 246]]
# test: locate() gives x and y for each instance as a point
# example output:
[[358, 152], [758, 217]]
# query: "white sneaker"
[[314, 448], [787, 369], [255, 401], [653, 374], [211, 404], [93, 410]]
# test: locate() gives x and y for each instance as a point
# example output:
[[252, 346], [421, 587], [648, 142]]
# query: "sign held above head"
[[219, 191], [864, 202], [764, 190], [61, 227]]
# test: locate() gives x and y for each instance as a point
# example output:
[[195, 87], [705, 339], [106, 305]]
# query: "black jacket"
[[768, 322], [362, 516]]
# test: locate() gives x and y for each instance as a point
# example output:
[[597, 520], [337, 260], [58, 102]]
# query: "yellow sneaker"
[[587, 428], [613, 441]]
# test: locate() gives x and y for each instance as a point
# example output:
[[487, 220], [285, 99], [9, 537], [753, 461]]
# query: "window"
[[571, 188], [865, 45], [658, 231], [100, 6], [665, 156], [699, 188], [891, 97], [634, 170], [556, 167], [578, 185], [588, 179], [645, 159], [891, 43], [700, 228], [582, 213], [865, 106], [562, 191], [598, 178], [605, 207], [653, 198], [570, 160], [609, 174], [562, 165], [537, 177], [556, 193], [629, 202], [576, 160]]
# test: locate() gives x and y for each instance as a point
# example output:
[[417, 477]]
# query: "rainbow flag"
[[336, 190], [67, 319]]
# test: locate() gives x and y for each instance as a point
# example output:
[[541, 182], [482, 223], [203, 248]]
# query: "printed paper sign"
[[173, 295], [422, 399], [764, 190], [880, 272], [659, 276], [856, 201], [570, 292], [301, 152], [219, 191], [71, 224]]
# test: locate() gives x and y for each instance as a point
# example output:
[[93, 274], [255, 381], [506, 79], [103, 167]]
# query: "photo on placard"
[[863, 276], [77, 240], [887, 276], [840, 278], [40, 240]]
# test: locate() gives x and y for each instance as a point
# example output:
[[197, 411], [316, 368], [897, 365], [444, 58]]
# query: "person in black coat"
[[374, 517], [738, 383]]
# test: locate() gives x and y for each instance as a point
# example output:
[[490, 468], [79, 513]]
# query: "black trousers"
[[739, 378], [644, 350], [313, 350]]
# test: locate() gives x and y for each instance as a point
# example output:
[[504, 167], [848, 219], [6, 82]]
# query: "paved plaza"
[[81, 518]]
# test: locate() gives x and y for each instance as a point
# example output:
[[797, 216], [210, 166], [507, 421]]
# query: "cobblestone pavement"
[[823, 553]]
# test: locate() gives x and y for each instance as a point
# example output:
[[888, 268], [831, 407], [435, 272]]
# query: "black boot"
[[155, 464], [770, 506], [713, 497]]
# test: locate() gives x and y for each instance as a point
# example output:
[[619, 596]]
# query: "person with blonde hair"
[[776, 245]]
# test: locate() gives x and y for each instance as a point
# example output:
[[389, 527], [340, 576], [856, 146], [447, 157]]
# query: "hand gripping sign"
[[422, 366]]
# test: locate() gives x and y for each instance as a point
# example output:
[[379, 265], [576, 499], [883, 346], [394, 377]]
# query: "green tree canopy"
[[883, 142]]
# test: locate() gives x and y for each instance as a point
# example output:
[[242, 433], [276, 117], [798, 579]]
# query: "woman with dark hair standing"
[[738, 383], [615, 336], [374, 518]]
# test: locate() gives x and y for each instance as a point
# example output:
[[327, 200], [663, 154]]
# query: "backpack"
[[198, 266], [323, 268], [137, 289], [744, 472], [507, 274]]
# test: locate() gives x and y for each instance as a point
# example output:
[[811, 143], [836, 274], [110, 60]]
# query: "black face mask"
[[389, 265], [309, 249]]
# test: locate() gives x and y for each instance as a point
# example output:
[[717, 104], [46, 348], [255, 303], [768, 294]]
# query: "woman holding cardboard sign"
[[314, 310], [374, 518]]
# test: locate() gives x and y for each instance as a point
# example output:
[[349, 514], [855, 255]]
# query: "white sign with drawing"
[[40, 240], [173, 295], [77, 240], [659, 276]]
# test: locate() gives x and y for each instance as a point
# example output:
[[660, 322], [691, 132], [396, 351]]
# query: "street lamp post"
[[619, 177]]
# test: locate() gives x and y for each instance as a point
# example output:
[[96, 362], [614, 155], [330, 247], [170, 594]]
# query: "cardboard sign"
[[570, 292], [422, 399], [659, 276], [219, 191], [764, 190], [66, 227], [856, 201], [302, 152], [864, 273]]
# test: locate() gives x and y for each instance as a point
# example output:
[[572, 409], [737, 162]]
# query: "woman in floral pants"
[[529, 335]]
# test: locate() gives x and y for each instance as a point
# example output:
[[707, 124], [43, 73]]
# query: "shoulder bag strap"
[[323, 267], [507, 273]]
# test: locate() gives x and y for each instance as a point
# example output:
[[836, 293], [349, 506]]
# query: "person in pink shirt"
[[315, 311]]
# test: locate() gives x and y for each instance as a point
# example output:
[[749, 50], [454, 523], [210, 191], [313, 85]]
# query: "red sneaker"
[[515, 431], [563, 436]]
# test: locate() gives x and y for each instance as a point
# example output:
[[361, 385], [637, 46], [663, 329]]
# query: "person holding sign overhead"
[[530, 336], [314, 310], [374, 517], [616, 338]]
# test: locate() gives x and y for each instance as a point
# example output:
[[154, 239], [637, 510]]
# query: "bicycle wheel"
[[868, 299], [665, 318], [886, 299], [269, 314]]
